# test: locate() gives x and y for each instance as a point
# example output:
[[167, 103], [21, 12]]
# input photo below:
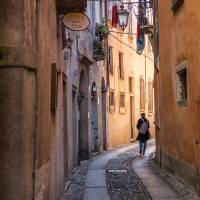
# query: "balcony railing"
[[65, 6]]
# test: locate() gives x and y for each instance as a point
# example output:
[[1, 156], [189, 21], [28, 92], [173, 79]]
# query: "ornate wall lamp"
[[123, 16]]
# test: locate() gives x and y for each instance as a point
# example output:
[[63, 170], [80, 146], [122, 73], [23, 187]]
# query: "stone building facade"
[[176, 88], [130, 84]]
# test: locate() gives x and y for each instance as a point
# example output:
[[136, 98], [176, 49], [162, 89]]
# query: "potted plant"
[[98, 50], [101, 31]]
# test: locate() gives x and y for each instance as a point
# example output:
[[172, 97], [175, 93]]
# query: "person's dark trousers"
[[142, 146]]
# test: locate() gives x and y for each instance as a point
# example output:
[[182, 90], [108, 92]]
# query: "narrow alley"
[[123, 174], [99, 100]]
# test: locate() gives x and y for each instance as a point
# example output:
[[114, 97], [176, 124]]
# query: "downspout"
[[156, 71], [106, 46]]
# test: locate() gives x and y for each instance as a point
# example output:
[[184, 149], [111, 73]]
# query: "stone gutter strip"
[[74, 185], [185, 191]]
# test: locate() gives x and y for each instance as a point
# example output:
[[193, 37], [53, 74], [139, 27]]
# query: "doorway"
[[65, 126], [132, 116], [94, 107], [83, 116], [103, 100]]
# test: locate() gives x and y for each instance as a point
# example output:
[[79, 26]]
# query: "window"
[[110, 59], [181, 85], [142, 95], [112, 98], [121, 69], [150, 97], [122, 100], [176, 4], [131, 84]]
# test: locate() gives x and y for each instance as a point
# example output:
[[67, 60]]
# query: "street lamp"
[[123, 15]]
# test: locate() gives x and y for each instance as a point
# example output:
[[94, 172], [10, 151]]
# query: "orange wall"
[[119, 126], [179, 40]]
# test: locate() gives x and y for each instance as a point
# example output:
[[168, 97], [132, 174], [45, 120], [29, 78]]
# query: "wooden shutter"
[[112, 98], [121, 70], [122, 100], [131, 84], [110, 57], [150, 97], [142, 95]]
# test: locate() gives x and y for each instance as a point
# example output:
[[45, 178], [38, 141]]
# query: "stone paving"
[[122, 181], [74, 186], [122, 174]]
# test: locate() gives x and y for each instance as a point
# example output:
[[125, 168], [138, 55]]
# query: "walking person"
[[144, 134]]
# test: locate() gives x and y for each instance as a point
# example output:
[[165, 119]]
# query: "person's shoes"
[[140, 152]]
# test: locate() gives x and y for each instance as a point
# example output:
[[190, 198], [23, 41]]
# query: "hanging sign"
[[76, 21]]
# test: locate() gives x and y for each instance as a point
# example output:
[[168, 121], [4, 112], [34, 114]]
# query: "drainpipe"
[[106, 46]]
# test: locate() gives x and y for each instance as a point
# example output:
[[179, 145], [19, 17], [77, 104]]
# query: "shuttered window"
[[142, 95], [150, 97], [131, 84], [121, 67], [122, 100], [110, 59], [112, 98]]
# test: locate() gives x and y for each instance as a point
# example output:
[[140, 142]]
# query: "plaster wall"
[[135, 66], [178, 134], [31, 134], [17, 100]]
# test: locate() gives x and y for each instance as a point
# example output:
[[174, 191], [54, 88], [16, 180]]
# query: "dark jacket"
[[140, 122], [143, 137]]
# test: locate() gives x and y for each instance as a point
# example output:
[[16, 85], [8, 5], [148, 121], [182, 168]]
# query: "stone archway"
[[83, 118]]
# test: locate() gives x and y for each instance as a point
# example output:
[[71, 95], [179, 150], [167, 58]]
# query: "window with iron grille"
[[181, 85], [121, 68], [112, 98], [150, 97], [142, 94], [131, 84], [110, 59], [122, 100]]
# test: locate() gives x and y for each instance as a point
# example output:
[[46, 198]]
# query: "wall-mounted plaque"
[[76, 21]]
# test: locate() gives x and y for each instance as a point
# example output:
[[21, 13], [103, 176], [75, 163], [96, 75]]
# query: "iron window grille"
[[182, 85]]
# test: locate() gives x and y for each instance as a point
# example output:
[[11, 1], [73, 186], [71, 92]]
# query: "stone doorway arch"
[[83, 115]]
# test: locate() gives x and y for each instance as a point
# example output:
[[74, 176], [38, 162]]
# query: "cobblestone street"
[[122, 174]]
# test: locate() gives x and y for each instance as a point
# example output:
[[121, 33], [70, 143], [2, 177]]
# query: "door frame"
[[132, 116]]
